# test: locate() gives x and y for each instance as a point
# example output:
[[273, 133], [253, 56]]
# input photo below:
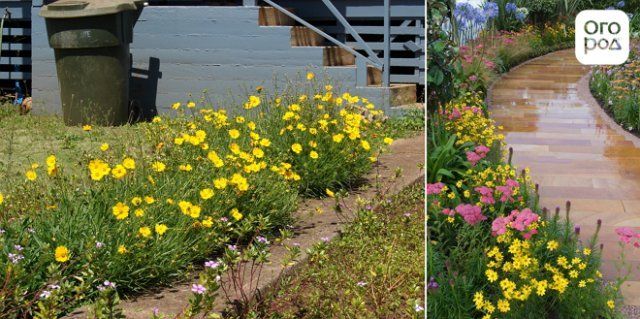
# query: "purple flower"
[[232, 247], [1, 231], [156, 311], [296, 244], [18, 247], [368, 207], [491, 9], [407, 214], [620, 4], [15, 258], [212, 264], [361, 284], [432, 284], [418, 308], [510, 7], [325, 239], [224, 219], [99, 244], [198, 289], [262, 240], [54, 287], [109, 284], [45, 294]]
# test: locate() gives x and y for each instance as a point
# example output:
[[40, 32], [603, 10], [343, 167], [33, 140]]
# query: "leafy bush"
[[441, 60]]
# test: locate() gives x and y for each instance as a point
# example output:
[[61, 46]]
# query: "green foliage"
[[373, 270], [441, 60]]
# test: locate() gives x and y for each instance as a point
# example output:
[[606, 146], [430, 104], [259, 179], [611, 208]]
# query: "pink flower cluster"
[[470, 213], [456, 112], [507, 190], [477, 154], [434, 188], [518, 220], [627, 235]]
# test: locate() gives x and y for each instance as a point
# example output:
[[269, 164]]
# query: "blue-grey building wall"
[[180, 51]]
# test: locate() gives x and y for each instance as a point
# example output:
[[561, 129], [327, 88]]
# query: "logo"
[[602, 37]]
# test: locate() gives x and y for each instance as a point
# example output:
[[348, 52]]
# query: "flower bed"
[[492, 253], [139, 213], [617, 89]]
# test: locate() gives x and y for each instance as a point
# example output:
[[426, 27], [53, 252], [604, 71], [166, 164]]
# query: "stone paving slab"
[[407, 155]]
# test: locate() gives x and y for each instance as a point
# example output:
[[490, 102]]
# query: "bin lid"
[[62, 9]]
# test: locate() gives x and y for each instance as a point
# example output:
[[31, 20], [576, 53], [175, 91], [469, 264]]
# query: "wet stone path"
[[575, 152]]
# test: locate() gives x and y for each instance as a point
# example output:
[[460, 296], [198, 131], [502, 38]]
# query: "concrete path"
[[575, 151], [405, 156]]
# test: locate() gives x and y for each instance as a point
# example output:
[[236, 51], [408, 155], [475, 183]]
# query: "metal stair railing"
[[361, 60]]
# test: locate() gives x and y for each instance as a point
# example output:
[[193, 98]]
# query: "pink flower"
[[473, 158], [486, 194], [481, 149], [473, 78], [499, 225], [434, 188], [625, 234], [448, 211], [472, 214], [523, 219]]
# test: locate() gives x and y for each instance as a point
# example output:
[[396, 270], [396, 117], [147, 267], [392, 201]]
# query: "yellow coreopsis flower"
[[234, 134], [185, 167], [388, 140], [156, 119], [149, 200], [1, 198], [257, 152], [235, 213], [310, 76], [253, 102], [86, 128], [206, 193], [144, 232], [191, 104], [129, 163], [176, 105], [104, 147], [365, 145], [338, 138], [51, 165], [31, 175], [139, 212], [158, 166], [62, 254], [313, 154], [265, 142], [122, 249], [220, 183], [120, 210], [161, 229], [215, 159], [330, 193], [296, 148], [119, 171]]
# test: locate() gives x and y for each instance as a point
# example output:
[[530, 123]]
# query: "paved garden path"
[[575, 151]]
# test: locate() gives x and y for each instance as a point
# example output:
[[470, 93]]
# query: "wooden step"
[[305, 37], [270, 16], [337, 56]]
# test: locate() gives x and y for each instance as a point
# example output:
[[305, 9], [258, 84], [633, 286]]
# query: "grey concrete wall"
[[186, 50]]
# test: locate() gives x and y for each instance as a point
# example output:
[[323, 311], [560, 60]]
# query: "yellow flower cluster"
[[466, 119]]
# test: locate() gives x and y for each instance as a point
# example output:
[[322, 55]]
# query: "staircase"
[[333, 56]]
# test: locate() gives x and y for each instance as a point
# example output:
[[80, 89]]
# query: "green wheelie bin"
[[90, 39]]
